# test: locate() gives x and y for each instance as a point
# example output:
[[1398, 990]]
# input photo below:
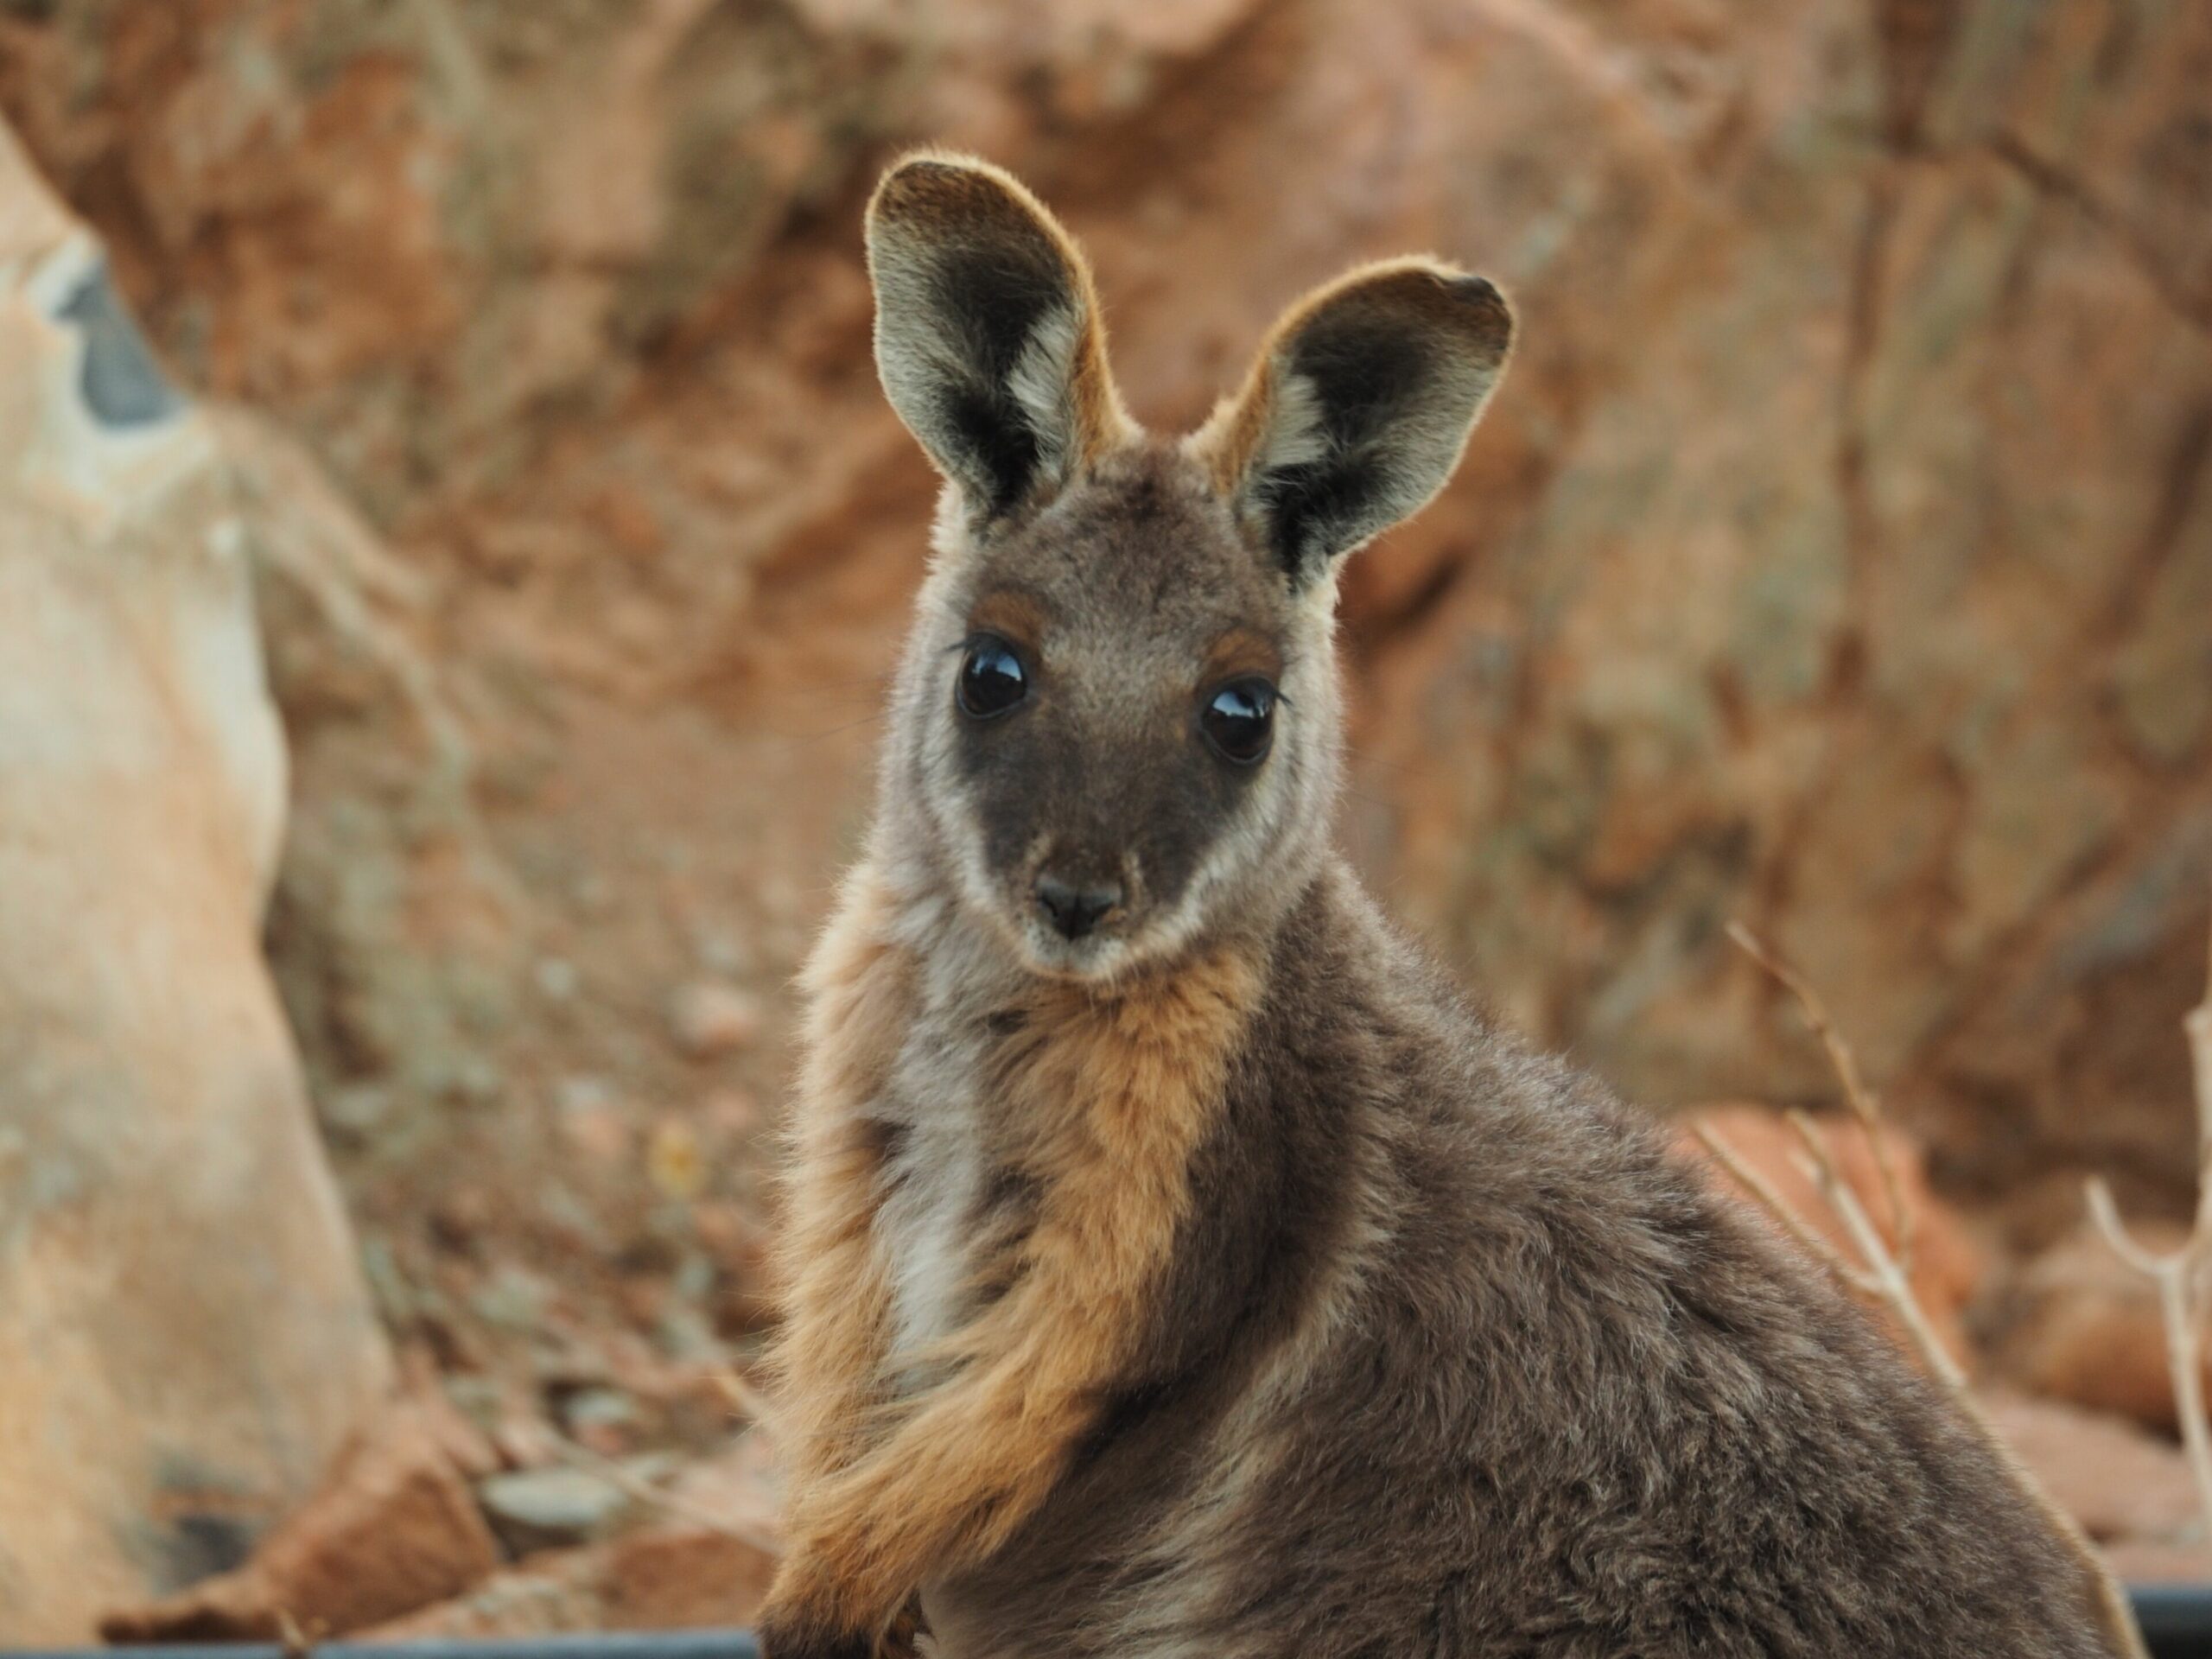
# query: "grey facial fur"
[[1127, 584]]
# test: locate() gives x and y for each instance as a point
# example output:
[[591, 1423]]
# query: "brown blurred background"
[[1837, 556]]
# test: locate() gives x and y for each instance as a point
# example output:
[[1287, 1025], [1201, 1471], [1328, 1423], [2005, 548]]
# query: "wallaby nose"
[[1073, 911]]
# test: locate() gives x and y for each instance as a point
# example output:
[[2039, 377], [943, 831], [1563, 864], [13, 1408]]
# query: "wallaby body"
[[1176, 1265]]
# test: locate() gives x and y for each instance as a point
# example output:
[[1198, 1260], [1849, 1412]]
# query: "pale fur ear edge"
[[1378, 377], [1017, 392]]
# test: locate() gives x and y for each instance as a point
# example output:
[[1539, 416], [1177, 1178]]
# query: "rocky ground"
[[640, 1492], [1837, 558]]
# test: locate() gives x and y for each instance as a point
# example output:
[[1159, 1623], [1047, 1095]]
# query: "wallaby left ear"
[[1359, 408], [987, 335]]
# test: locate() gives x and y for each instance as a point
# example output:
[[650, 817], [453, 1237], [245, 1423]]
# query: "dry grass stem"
[[1865, 1107], [2197, 1026], [2172, 1273], [294, 1639], [1780, 1208], [2179, 1275], [1884, 1271], [746, 1401]]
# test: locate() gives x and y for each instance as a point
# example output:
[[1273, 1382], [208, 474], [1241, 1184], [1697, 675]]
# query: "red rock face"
[[1838, 556]]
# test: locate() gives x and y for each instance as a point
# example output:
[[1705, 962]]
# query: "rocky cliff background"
[[1837, 557]]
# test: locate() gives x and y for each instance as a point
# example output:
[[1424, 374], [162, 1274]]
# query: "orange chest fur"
[[1056, 1118]]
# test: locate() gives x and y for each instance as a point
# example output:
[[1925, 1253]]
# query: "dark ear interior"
[[1359, 408], [987, 336]]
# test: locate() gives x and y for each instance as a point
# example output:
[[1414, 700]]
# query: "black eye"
[[1239, 720], [991, 680]]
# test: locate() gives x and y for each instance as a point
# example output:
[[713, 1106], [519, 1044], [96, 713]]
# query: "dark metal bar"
[[636, 1644], [2177, 1620]]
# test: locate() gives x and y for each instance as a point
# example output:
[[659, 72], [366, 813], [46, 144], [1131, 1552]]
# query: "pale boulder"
[[184, 1335]]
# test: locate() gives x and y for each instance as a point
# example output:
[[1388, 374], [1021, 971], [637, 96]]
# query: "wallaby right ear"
[[1356, 412], [987, 336]]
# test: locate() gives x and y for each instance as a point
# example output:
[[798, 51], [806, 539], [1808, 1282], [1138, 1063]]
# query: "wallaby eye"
[[1239, 720], [991, 679]]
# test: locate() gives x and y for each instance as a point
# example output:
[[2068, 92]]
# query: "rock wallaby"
[[1175, 1264]]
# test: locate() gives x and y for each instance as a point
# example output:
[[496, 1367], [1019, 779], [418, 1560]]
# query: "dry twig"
[[2180, 1275], [1780, 1208], [746, 1401], [1865, 1106], [296, 1641], [1884, 1271]]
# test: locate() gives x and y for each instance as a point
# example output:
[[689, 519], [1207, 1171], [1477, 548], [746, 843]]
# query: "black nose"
[[1075, 910]]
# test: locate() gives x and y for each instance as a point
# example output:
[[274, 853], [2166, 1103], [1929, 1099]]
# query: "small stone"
[[734, 1113], [461, 1215], [603, 1420], [685, 1334], [736, 1244], [693, 1278], [722, 953], [600, 1136], [357, 1110], [544, 1508], [588, 1407], [711, 1017], [2120, 1481], [674, 1161], [396, 1297], [557, 979], [472, 1080], [524, 1441], [582, 1092], [780, 896], [514, 1299], [477, 1398], [590, 1121], [2080, 1325]]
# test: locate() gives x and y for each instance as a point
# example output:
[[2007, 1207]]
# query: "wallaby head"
[[1117, 726]]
